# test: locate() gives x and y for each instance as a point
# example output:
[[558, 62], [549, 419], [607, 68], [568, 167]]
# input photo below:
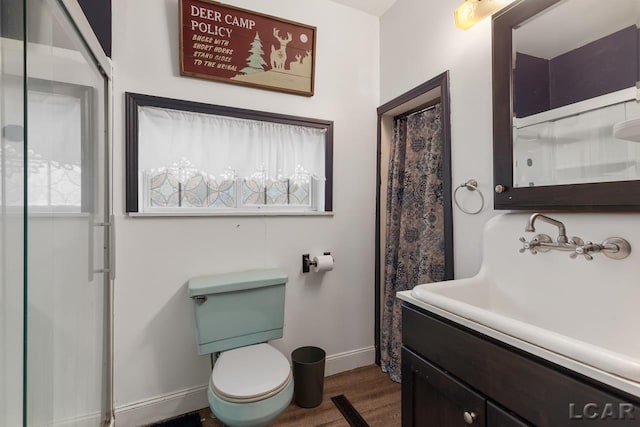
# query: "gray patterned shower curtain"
[[414, 251]]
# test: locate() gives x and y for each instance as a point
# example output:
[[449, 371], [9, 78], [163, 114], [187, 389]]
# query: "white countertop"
[[617, 382]]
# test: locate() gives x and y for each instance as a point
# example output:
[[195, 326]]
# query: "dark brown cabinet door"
[[497, 417], [432, 398]]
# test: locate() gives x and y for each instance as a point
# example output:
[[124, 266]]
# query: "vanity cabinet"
[[452, 375]]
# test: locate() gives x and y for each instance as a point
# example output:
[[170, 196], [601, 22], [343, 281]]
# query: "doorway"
[[431, 99]]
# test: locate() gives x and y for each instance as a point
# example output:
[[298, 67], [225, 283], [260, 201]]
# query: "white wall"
[[418, 41], [157, 370]]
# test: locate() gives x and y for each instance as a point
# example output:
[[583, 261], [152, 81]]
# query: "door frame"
[[424, 95]]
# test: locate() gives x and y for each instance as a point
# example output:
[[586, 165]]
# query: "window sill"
[[227, 214], [42, 213]]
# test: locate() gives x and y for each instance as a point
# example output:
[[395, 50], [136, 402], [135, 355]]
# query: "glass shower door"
[[67, 215], [11, 212]]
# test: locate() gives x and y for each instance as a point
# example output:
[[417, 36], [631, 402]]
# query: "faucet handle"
[[536, 244], [588, 257], [584, 248], [527, 245]]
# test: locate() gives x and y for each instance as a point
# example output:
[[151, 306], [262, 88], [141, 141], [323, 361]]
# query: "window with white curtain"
[[58, 150], [55, 151], [193, 158]]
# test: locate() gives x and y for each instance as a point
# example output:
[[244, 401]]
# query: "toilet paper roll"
[[323, 263]]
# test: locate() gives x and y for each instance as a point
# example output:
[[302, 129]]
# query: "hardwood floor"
[[369, 390]]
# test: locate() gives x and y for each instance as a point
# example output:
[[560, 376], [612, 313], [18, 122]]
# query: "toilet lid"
[[250, 372]]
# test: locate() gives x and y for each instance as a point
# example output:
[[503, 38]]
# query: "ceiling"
[[571, 24], [372, 7]]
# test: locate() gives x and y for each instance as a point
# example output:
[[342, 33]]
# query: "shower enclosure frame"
[[86, 32], [69, 12]]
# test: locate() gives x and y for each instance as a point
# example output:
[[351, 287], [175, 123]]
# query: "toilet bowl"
[[236, 315], [250, 386]]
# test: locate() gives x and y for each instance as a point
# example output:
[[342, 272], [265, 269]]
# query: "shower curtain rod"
[[420, 109]]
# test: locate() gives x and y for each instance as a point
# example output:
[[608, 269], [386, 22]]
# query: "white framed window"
[[58, 159], [185, 157]]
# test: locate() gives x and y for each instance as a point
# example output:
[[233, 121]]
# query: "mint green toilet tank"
[[238, 309]]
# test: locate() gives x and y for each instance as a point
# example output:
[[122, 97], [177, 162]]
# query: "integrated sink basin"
[[548, 324], [585, 312]]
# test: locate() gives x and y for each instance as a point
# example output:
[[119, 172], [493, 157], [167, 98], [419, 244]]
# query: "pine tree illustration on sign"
[[255, 62]]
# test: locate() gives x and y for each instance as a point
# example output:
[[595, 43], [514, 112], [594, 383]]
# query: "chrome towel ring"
[[471, 185]]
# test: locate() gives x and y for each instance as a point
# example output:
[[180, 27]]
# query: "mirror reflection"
[[577, 115]]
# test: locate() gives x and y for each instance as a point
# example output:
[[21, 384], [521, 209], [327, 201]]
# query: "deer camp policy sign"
[[234, 45]]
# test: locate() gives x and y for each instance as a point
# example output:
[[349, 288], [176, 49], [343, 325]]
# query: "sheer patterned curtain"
[[215, 143], [414, 251], [193, 160]]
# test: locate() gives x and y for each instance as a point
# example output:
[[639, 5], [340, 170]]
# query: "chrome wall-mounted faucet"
[[562, 232], [613, 247]]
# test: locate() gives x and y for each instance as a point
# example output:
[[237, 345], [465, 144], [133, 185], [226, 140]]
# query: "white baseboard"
[[88, 420], [162, 407], [183, 401], [349, 360]]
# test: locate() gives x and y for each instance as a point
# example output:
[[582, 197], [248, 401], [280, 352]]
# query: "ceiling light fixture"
[[471, 12]]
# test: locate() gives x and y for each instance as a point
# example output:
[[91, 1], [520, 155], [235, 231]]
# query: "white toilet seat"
[[249, 374]]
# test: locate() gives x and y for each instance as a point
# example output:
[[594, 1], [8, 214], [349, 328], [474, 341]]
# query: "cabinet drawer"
[[523, 384], [430, 397]]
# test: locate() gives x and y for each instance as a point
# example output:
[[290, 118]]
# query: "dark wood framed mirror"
[[566, 116]]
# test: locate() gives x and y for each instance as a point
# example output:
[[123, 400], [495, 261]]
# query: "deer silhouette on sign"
[[279, 56]]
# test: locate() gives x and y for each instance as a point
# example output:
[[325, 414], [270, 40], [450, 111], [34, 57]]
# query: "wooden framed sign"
[[233, 45]]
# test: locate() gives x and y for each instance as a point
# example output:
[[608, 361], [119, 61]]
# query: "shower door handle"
[[90, 253], [110, 240]]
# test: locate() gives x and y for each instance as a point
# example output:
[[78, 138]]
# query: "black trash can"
[[308, 376]]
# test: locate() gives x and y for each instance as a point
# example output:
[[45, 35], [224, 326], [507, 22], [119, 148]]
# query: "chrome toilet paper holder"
[[307, 262]]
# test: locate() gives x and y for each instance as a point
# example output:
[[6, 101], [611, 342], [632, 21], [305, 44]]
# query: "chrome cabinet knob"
[[500, 188], [469, 417]]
